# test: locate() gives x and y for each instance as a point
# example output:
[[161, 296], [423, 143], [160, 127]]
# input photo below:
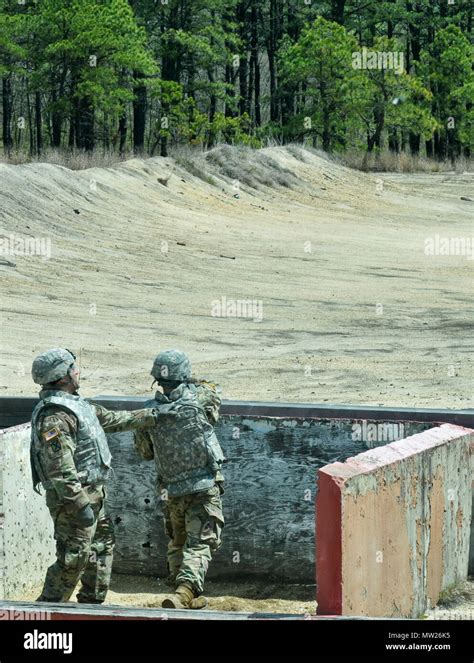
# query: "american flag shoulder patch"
[[51, 434]]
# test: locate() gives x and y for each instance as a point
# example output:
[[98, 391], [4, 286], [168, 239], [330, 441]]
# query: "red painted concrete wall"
[[393, 525]]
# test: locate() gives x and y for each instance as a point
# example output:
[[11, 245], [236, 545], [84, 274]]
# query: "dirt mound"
[[161, 252]]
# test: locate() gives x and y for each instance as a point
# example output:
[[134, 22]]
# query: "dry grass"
[[71, 159], [192, 168], [460, 594], [250, 166], [389, 162]]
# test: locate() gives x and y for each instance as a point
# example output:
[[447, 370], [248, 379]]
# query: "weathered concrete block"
[[393, 525], [26, 533]]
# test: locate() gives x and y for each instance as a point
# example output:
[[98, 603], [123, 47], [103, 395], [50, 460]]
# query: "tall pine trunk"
[[415, 47], [212, 112], [429, 144], [375, 139], [139, 114], [230, 71], [122, 132], [7, 113], [326, 117], [38, 123], [337, 11], [271, 52], [56, 122], [255, 63], [84, 129], [31, 131], [244, 102]]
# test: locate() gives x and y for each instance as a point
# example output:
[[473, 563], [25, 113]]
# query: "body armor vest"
[[92, 456], [186, 449]]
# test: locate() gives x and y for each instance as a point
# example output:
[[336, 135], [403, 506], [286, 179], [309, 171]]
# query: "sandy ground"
[[139, 591], [354, 311], [458, 605]]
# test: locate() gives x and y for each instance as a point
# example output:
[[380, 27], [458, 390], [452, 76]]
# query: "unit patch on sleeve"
[[53, 437]]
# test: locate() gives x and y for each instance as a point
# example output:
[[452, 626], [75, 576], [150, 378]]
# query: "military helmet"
[[171, 365], [52, 365]]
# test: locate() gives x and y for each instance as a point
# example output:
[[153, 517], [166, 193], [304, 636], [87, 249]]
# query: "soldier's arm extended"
[[57, 433], [143, 444], [123, 420], [209, 395]]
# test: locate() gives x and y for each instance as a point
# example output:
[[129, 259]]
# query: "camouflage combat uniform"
[[188, 459], [82, 552]]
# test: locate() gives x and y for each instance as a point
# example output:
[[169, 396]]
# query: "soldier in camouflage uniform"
[[188, 460], [71, 459]]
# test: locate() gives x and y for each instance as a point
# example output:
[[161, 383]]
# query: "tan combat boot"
[[199, 603], [184, 598]]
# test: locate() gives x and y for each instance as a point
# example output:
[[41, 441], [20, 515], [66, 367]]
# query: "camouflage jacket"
[[58, 459], [209, 397]]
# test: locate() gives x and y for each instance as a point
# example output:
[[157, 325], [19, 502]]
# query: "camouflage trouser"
[[82, 553], [193, 524]]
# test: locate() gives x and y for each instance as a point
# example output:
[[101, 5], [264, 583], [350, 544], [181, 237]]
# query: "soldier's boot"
[[45, 599], [198, 603], [182, 598]]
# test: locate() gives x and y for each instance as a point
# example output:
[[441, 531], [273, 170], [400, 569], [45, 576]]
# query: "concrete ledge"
[[393, 525], [26, 611]]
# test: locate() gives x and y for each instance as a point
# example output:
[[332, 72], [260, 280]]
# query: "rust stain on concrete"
[[459, 524], [419, 546], [434, 561], [414, 490]]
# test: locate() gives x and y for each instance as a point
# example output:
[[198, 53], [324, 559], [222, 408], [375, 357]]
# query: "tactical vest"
[[92, 456], [187, 451]]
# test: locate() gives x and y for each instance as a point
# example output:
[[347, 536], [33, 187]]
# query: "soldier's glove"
[[86, 517]]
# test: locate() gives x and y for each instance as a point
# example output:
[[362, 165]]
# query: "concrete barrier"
[[393, 525], [273, 451], [26, 532], [269, 499]]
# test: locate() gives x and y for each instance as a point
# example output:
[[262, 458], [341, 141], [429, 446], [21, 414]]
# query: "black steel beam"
[[17, 410]]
